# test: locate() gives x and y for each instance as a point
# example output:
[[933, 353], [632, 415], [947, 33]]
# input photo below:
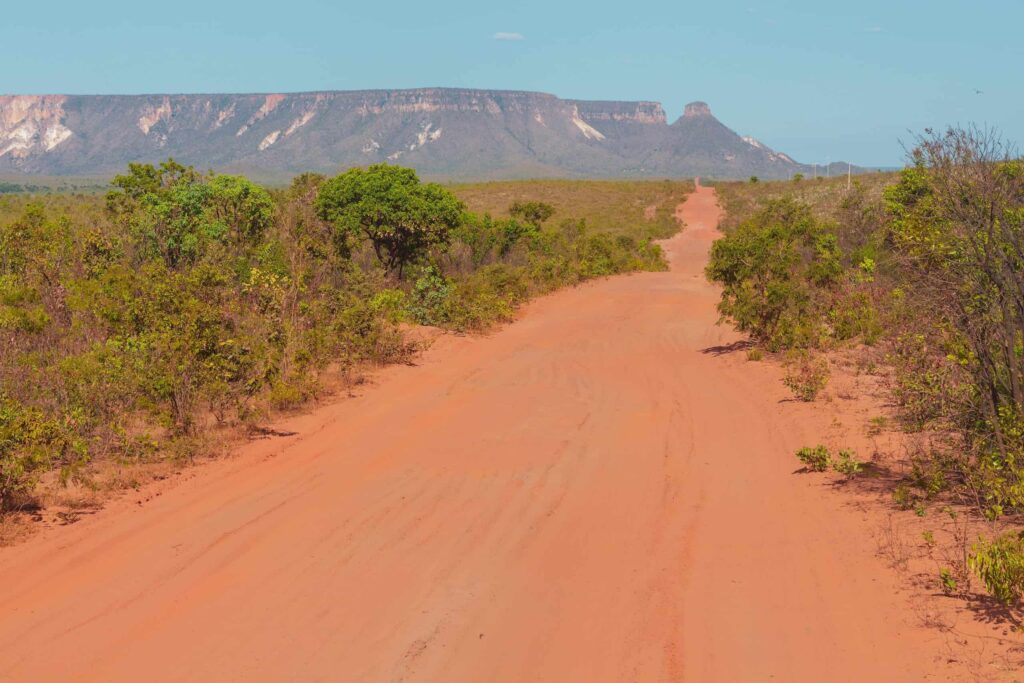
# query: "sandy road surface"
[[586, 495]]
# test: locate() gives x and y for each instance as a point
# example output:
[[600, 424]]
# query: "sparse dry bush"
[[806, 375]]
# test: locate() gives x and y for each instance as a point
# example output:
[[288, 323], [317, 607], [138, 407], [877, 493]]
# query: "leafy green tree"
[[243, 209], [402, 217], [174, 212], [534, 213]]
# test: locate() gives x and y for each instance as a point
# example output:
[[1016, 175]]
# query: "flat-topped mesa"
[[637, 112], [458, 133], [445, 99], [696, 110]]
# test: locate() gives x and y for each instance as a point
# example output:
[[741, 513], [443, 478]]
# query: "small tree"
[[243, 208], [402, 217], [534, 213]]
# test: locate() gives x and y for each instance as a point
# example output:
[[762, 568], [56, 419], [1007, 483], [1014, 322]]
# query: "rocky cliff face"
[[30, 124], [441, 132]]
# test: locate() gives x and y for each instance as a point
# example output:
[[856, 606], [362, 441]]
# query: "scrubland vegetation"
[[134, 323], [926, 267], [606, 205]]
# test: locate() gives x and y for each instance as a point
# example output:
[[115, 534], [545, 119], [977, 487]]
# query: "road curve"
[[589, 494]]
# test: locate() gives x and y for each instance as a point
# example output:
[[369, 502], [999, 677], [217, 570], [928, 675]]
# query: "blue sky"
[[818, 80]]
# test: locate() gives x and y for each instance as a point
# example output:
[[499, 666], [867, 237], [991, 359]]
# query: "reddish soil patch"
[[603, 491]]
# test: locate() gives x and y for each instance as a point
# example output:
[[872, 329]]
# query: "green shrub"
[[402, 217], [287, 395], [1000, 565], [29, 443], [534, 213], [847, 464], [816, 459], [771, 268], [904, 497], [948, 581], [930, 473], [391, 303], [856, 316], [429, 297]]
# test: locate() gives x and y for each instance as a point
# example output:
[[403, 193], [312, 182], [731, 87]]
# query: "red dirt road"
[[586, 495]]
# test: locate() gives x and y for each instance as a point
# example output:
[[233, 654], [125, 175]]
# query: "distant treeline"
[[12, 188], [7, 187]]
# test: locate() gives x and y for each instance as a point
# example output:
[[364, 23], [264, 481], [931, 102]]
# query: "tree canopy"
[[402, 217]]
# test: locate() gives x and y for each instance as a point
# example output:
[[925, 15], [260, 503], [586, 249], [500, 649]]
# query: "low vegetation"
[[806, 375], [607, 206], [927, 267], [1000, 565], [847, 464], [816, 459], [133, 323]]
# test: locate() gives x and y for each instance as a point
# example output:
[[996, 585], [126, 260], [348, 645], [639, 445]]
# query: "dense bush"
[[932, 268], [958, 230], [772, 268], [133, 322]]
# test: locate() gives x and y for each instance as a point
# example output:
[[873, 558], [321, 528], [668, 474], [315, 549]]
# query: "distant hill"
[[441, 132]]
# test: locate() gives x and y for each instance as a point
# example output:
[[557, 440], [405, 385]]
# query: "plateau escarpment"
[[456, 133]]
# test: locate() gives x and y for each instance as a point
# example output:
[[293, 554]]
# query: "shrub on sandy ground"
[[806, 375], [816, 459], [773, 268], [493, 266], [846, 464], [1000, 565], [29, 443]]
